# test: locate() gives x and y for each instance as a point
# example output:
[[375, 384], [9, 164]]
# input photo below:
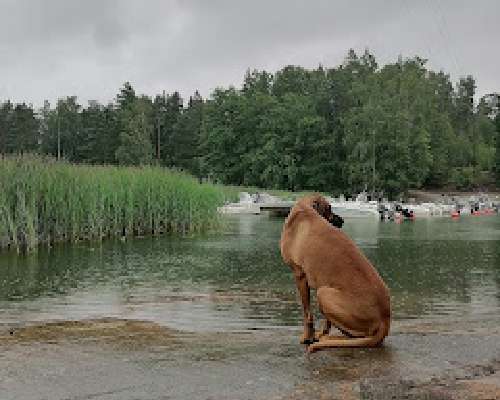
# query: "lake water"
[[218, 316], [237, 281]]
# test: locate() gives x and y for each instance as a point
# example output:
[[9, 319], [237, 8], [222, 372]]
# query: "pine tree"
[[24, 129], [497, 155], [135, 139], [6, 124], [187, 135]]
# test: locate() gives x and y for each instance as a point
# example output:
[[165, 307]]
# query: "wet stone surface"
[[119, 359]]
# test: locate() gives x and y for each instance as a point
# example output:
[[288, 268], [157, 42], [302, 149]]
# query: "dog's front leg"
[[324, 330], [303, 287]]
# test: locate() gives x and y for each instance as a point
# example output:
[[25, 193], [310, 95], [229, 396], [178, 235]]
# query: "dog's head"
[[324, 209]]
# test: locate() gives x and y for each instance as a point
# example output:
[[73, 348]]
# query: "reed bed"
[[43, 201]]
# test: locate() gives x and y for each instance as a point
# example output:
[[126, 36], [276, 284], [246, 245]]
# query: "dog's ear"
[[322, 208], [316, 206]]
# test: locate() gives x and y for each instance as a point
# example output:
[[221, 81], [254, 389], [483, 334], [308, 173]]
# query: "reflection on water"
[[236, 281]]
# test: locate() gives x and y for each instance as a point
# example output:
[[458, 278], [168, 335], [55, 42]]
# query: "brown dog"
[[350, 293]]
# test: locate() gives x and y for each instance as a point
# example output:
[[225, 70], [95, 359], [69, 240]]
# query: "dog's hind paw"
[[307, 341]]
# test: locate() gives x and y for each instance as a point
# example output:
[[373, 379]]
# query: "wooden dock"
[[281, 208]]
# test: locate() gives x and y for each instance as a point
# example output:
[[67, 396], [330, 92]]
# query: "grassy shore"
[[232, 192], [43, 201]]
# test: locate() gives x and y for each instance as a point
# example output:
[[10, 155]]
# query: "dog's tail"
[[367, 341]]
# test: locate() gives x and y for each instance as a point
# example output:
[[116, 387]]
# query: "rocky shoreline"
[[107, 359]]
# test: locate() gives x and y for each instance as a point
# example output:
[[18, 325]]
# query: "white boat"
[[354, 208]]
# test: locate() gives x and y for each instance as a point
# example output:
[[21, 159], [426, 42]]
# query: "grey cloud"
[[51, 48]]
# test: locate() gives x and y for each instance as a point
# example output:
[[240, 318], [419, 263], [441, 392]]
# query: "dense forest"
[[344, 129]]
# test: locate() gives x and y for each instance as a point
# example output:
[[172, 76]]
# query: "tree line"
[[344, 129]]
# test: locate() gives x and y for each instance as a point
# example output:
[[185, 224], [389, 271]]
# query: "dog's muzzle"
[[336, 220]]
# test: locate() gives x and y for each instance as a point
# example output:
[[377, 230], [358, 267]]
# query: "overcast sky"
[[88, 48]]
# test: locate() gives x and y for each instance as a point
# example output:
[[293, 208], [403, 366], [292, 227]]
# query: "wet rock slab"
[[123, 359]]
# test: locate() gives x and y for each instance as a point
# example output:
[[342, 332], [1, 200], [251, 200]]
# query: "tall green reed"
[[43, 201]]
